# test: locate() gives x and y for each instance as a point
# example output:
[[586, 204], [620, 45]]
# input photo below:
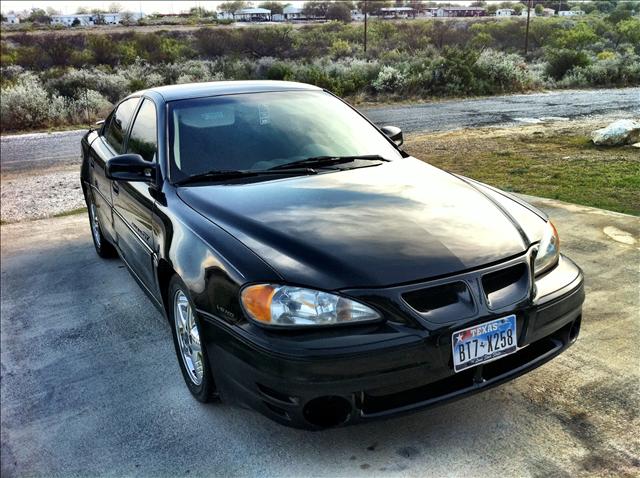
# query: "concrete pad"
[[91, 385]]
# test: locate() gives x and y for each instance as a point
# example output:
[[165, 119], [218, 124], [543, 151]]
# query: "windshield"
[[259, 131]]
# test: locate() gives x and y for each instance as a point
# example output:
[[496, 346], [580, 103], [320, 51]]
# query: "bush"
[[560, 62], [389, 80], [27, 105]]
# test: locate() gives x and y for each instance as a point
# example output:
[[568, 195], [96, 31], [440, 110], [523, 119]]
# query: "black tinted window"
[[143, 134], [120, 120]]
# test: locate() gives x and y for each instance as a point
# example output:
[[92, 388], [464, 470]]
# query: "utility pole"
[[526, 35], [365, 25]]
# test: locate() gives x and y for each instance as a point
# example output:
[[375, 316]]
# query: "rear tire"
[[191, 352], [103, 247]]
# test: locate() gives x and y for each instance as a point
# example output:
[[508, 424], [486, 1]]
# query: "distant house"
[[548, 12], [461, 12], [90, 19], [291, 12], [253, 15], [11, 19], [81, 19], [570, 13], [505, 12], [357, 15], [397, 12]]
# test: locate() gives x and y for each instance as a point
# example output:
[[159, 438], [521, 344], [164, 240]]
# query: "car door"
[[109, 144], [133, 203]]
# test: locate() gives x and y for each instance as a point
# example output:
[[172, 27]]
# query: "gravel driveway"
[[91, 385]]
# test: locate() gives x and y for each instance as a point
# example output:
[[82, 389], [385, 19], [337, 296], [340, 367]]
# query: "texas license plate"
[[484, 342]]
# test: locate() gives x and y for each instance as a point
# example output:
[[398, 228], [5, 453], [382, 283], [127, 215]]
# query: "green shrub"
[[561, 61]]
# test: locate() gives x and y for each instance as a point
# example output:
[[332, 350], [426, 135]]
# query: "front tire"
[[192, 355], [103, 247]]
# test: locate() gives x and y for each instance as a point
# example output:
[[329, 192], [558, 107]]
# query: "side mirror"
[[394, 133], [130, 167]]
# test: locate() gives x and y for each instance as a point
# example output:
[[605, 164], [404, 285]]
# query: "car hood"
[[398, 222]]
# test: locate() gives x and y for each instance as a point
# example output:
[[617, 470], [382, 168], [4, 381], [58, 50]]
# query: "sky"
[[146, 6]]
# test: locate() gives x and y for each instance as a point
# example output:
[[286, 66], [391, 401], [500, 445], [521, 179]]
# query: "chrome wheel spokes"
[[95, 226], [188, 337]]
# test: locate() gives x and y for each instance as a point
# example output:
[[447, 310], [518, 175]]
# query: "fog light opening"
[[575, 330], [326, 412]]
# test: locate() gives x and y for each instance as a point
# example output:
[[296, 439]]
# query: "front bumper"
[[389, 369]]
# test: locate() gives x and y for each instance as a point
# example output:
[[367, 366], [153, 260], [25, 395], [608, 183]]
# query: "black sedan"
[[309, 267]]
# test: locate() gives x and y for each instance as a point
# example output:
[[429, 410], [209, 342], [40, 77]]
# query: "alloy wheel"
[[188, 337], [95, 225]]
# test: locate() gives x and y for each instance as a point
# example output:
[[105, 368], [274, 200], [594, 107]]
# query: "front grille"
[[441, 302], [445, 300], [506, 286]]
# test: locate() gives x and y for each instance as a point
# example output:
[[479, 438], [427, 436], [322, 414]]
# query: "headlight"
[[548, 250], [295, 306]]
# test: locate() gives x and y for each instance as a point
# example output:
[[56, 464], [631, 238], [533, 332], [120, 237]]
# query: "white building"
[[89, 19], [83, 19], [253, 15], [505, 12], [397, 12], [11, 19], [548, 12], [291, 12], [570, 13]]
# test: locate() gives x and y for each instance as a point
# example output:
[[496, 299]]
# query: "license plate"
[[484, 342]]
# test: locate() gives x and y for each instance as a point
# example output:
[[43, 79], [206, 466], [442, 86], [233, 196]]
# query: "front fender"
[[212, 263]]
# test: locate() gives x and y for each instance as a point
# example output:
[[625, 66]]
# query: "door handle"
[[115, 187]]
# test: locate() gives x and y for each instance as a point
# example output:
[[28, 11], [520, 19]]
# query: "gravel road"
[[91, 385], [33, 151]]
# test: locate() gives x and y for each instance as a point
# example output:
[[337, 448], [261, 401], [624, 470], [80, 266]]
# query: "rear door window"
[[119, 123]]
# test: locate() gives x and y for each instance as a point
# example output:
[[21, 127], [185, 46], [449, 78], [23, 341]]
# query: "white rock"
[[617, 133]]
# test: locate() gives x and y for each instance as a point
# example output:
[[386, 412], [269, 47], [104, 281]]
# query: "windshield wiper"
[[224, 174], [330, 160]]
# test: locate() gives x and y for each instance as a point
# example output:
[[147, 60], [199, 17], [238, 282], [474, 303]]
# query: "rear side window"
[[142, 139], [120, 121]]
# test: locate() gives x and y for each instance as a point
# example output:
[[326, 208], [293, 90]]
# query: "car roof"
[[215, 88]]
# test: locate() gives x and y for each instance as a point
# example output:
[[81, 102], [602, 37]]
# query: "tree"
[[233, 6], [478, 3], [619, 14], [82, 11], [275, 7], [38, 15], [539, 9], [340, 12], [75, 22], [200, 12], [517, 8], [126, 18], [491, 9], [115, 7], [373, 6], [316, 9], [629, 31]]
